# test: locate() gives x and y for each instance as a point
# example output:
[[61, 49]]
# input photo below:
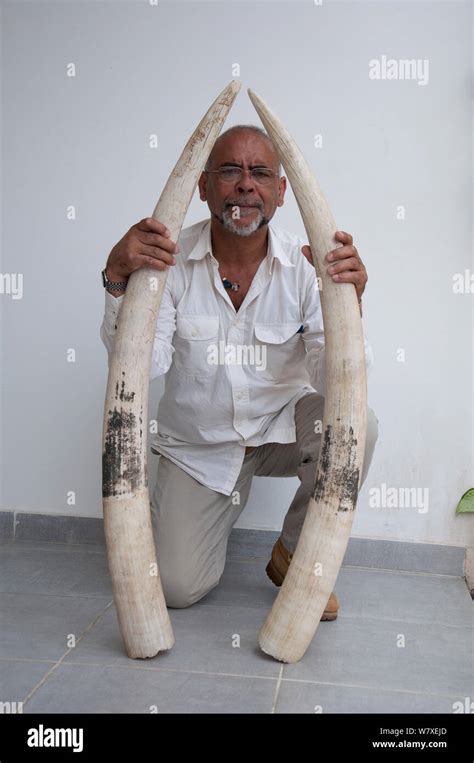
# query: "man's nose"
[[246, 182]]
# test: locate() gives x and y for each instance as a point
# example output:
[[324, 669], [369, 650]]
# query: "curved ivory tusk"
[[296, 612], [141, 608]]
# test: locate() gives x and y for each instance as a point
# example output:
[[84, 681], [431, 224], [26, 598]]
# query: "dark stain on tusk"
[[119, 448], [345, 478], [125, 397]]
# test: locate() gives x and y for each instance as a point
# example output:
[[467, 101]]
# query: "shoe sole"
[[277, 579]]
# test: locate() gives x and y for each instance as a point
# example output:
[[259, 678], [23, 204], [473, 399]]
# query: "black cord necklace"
[[229, 285]]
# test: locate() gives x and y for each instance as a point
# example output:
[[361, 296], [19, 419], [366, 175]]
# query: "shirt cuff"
[[112, 308]]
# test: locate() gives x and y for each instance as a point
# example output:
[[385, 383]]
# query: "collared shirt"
[[233, 378]]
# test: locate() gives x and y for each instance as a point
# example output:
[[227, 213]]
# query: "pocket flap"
[[276, 333], [197, 326]]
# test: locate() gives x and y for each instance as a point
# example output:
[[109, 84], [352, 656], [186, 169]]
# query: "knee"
[[178, 596], [180, 592]]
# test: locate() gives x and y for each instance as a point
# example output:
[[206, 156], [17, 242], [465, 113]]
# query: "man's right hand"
[[145, 245]]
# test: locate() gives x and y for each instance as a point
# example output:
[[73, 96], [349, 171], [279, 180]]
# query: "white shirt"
[[210, 411]]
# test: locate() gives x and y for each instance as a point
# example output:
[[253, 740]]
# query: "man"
[[240, 338]]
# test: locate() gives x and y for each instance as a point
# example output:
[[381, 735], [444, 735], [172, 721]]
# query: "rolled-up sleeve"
[[162, 354], [313, 335]]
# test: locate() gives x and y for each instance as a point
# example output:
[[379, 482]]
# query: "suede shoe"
[[277, 568]]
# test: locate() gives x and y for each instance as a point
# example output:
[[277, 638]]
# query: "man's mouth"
[[246, 208]]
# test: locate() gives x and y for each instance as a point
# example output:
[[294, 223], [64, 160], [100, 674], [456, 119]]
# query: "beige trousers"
[[192, 523]]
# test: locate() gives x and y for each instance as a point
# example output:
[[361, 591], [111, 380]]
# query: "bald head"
[[252, 129]]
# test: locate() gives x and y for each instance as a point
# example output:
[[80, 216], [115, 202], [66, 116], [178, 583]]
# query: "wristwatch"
[[114, 285]]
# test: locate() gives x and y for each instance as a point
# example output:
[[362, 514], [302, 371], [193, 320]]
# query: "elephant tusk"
[[296, 611], [141, 608]]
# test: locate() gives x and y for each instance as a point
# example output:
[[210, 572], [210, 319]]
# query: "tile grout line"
[[343, 616], [27, 659], [279, 679], [68, 651], [372, 688], [393, 570], [256, 607], [169, 670], [58, 595], [101, 548]]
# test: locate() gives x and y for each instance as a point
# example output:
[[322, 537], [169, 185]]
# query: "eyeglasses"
[[261, 175]]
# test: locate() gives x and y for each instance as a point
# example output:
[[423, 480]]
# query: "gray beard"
[[229, 223]]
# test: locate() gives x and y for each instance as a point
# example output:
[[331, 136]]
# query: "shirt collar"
[[275, 247]]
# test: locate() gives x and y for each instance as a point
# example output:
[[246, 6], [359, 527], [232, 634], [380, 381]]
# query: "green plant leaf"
[[466, 504]]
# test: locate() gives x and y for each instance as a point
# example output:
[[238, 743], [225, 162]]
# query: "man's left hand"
[[345, 265]]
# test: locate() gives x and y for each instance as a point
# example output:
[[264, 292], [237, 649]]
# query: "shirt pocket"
[[193, 337], [282, 350]]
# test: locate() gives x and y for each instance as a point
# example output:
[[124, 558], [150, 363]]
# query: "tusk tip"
[[234, 86], [256, 100]]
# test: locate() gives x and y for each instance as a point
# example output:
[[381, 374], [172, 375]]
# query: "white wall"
[[83, 141]]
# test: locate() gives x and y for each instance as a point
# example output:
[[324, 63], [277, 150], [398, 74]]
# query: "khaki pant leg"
[[191, 528], [300, 459]]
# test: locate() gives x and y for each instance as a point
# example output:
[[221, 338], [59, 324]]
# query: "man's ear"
[[281, 191], [202, 183]]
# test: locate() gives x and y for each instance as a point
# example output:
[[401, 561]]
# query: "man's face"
[[243, 206]]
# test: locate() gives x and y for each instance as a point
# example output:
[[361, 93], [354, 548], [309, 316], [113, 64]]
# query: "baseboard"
[[428, 558]]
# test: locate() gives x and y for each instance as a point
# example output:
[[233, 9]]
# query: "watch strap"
[[114, 285]]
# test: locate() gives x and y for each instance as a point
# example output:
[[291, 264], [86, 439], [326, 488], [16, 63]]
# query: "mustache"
[[244, 203]]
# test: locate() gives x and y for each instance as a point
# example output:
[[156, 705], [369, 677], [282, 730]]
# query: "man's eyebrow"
[[252, 166]]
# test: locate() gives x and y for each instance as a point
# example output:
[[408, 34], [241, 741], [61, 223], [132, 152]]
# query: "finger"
[[157, 254], [342, 252], [352, 263], [149, 224], [343, 236], [144, 261], [155, 239], [349, 276]]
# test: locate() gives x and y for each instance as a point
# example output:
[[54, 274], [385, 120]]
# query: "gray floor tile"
[[18, 677], [403, 555], [37, 627], [353, 665], [80, 689], [400, 596], [251, 544], [59, 527], [243, 584], [6, 525], [206, 639], [303, 697], [436, 659], [50, 568]]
